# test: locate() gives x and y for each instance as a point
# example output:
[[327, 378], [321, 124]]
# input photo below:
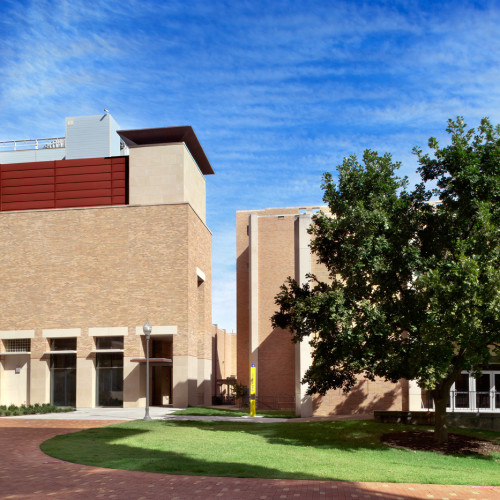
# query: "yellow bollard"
[[252, 391]]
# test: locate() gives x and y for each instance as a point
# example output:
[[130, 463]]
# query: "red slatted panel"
[[78, 186], [36, 188], [63, 183], [27, 205]]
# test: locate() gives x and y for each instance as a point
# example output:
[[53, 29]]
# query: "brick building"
[[99, 231], [224, 362], [271, 245]]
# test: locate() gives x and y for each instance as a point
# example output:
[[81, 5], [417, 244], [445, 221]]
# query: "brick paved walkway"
[[26, 473]]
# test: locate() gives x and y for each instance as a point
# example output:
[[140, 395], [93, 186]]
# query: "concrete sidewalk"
[[123, 414]]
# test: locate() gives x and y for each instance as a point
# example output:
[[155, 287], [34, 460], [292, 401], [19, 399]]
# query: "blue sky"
[[277, 92]]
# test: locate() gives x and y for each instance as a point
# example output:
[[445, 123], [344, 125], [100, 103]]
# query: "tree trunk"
[[440, 396], [440, 421]]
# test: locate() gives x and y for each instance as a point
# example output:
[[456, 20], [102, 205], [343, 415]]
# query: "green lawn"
[[348, 450], [216, 412]]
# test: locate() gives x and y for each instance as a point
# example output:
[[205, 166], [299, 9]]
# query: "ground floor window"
[[470, 393], [17, 345], [109, 367], [63, 379]]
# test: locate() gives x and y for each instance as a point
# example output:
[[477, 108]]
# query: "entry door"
[[63, 379], [162, 385]]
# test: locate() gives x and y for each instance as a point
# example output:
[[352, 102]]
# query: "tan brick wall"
[[218, 352], [110, 266], [365, 397], [39, 345], [224, 353], [200, 297], [229, 354], [132, 345], [242, 298], [276, 263], [276, 257], [85, 344]]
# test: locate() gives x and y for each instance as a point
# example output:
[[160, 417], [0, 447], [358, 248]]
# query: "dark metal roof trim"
[[166, 135]]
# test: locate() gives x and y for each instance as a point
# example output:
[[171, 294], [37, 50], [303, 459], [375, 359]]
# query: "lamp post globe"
[[147, 333]]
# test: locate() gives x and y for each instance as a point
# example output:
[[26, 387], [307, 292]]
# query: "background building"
[[271, 245], [224, 363], [100, 230]]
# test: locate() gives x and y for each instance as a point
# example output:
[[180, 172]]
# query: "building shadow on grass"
[[101, 448], [347, 436], [27, 475], [105, 447]]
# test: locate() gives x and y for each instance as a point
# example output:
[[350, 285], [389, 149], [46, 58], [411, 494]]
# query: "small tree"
[[414, 286], [240, 392]]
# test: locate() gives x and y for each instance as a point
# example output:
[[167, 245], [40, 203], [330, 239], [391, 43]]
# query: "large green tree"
[[414, 284]]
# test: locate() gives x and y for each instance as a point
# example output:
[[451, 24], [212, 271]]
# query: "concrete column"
[[39, 381], [303, 402], [253, 245], [414, 396], [184, 381], [204, 379], [85, 383], [134, 384]]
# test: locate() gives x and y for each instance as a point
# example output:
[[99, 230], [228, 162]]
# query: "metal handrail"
[[467, 401], [25, 144]]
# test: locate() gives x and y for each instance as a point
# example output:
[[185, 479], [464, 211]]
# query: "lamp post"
[[147, 333]]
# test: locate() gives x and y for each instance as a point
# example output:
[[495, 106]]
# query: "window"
[[17, 345], [483, 387], [109, 342], [461, 392], [65, 344], [471, 394], [477, 394]]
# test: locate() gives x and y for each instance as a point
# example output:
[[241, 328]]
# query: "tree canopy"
[[414, 284]]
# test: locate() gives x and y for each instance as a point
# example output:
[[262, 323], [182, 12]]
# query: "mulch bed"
[[457, 444]]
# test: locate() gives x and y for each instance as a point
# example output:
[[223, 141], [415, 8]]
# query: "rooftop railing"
[[25, 144]]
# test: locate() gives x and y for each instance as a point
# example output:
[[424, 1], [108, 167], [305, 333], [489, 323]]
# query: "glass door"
[[63, 379], [109, 379]]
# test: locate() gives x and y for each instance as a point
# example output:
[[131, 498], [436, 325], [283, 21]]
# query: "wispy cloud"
[[277, 92]]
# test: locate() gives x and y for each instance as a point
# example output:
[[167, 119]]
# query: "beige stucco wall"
[[194, 185], [134, 384], [14, 387], [39, 381], [85, 383], [166, 173]]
